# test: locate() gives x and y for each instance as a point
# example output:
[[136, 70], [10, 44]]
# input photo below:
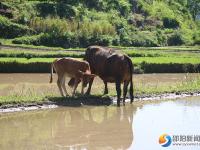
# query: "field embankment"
[[145, 60]]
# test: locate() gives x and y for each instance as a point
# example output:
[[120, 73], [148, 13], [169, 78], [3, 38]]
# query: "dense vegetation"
[[79, 23]]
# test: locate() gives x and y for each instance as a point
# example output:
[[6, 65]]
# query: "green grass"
[[146, 60], [142, 64], [171, 48], [166, 60], [137, 52], [36, 54], [25, 60], [160, 53], [184, 86], [136, 60], [8, 42], [28, 95], [17, 99]]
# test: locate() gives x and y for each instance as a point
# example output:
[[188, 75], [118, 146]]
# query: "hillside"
[[79, 23]]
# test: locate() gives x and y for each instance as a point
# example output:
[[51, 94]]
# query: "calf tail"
[[131, 79], [51, 75]]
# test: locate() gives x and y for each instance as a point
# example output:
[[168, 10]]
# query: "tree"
[[194, 7]]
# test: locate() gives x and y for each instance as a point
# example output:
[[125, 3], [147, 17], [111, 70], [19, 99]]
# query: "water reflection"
[[69, 128], [180, 117], [132, 127]]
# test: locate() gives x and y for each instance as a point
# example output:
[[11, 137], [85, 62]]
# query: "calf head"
[[86, 77]]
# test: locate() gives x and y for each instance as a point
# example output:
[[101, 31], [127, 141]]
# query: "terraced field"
[[145, 59]]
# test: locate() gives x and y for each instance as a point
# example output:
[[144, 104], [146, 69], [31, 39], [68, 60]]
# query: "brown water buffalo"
[[111, 67], [76, 69]]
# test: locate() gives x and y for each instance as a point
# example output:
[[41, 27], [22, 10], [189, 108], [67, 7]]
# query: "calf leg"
[[118, 89], [75, 86], [59, 82], [90, 85], [64, 87], [106, 87], [125, 91], [82, 89]]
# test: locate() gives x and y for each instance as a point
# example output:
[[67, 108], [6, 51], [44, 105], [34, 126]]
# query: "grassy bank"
[[35, 54], [8, 42], [145, 59], [141, 64], [29, 93], [164, 48]]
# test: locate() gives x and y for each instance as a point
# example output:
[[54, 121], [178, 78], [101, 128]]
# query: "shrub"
[[35, 40], [56, 24], [116, 41], [169, 68], [170, 23], [24, 11], [65, 40], [5, 10], [144, 39], [55, 9], [175, 39], [12, 30], [103, 40], [197, 38], [197, 41], [124, 7], [35, 67], [161, 38]]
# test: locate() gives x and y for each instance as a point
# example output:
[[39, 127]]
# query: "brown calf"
[[79, 70]]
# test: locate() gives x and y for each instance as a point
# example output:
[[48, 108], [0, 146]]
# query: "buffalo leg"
[[131, 91], [106, 87], [89, 88], [82, 89], [125, 91], [118, 89]]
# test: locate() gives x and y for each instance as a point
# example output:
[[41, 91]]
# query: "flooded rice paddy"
[[135, 127], [23, 83]]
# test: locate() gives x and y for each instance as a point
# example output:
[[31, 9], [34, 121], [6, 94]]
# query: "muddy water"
[[19, 83], [14, 78], [135, 127]]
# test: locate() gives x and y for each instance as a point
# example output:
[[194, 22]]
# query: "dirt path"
[[18, 47], [4, 47]]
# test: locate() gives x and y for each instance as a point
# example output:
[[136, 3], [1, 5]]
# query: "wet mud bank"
[[55, 102]]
